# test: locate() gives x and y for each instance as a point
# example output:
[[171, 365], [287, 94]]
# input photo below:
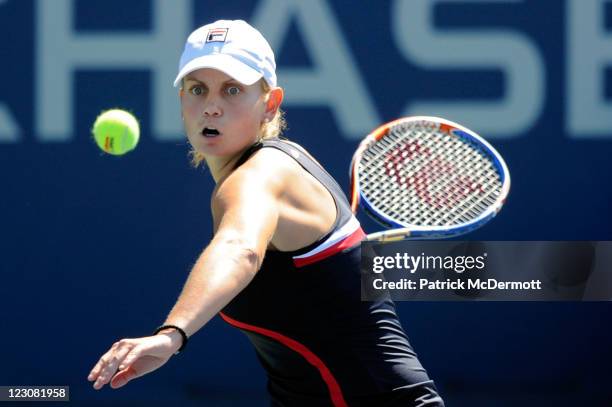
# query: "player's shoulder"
[[266, 159], [276, 162], [265, 166], [266, 171]]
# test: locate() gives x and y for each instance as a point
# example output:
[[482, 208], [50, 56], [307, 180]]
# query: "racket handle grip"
[[388, 235]]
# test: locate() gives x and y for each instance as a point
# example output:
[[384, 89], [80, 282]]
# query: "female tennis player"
[[283, 265]]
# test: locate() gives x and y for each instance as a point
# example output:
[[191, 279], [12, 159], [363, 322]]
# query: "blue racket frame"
[[404, 231]]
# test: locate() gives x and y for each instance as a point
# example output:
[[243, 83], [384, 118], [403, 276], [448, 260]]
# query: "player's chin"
[[222, 145], [202, 143], [213, 148]]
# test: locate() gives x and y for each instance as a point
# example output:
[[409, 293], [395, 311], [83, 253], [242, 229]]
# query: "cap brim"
[[224, 63]]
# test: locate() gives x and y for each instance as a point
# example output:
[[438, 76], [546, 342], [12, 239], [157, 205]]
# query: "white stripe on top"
[[340, 234]]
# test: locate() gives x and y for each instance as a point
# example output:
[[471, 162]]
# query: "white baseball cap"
[[232, 47]]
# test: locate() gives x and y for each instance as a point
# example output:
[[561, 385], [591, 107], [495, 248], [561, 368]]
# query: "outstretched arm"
[[245, 209]]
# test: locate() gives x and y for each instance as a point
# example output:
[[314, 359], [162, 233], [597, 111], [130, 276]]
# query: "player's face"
[[222, 116]]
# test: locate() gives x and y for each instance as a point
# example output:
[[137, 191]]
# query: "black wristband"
[[183, 335]]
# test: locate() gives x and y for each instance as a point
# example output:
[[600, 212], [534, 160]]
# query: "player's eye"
[[196, 90], [233, 90]]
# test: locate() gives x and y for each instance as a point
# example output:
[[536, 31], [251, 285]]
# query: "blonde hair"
[[269, 129]]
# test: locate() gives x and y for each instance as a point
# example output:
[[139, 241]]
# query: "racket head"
[[427, 177]]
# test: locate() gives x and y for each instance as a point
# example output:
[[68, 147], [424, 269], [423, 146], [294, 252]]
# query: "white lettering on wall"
[[508, 51], [334, 79], [60, 51], [10, 132], [589, 52]]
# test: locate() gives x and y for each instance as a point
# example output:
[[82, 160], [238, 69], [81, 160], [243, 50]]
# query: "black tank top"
[[318, 342]]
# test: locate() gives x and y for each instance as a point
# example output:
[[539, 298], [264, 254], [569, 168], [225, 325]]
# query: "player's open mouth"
[[210, 132]]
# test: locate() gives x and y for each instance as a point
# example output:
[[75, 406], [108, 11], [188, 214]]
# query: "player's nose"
[[212, 108]]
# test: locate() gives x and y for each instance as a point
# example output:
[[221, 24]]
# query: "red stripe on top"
[[446, 127], [351, 240], [332, 385]]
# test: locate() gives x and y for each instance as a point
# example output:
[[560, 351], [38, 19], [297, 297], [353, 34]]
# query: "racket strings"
[[442, 180]]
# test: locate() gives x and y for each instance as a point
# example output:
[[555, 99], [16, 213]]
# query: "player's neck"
[[221, 167]]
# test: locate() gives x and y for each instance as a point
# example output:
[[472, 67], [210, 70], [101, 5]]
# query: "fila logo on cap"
[[217, 35]]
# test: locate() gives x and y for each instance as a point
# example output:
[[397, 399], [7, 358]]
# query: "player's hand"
[[128, 359]]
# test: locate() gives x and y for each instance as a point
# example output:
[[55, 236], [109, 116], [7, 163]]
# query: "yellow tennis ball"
[[116, 131]]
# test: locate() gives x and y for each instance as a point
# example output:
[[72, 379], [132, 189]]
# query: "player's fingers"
[[131, 357], [104, 360], [110, 362], [123, 377], [95, 372], [134, 365]]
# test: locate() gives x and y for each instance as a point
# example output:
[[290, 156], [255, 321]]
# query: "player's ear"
[[275, 98]]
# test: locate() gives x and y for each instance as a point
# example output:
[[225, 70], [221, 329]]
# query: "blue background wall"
[[95, 248]]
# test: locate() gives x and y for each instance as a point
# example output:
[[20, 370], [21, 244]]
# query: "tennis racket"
[[427, 177]]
